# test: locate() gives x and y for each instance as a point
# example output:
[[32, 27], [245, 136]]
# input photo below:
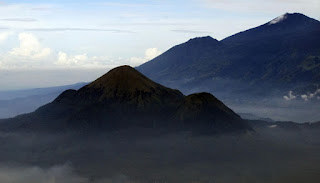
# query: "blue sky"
[[41, 41]]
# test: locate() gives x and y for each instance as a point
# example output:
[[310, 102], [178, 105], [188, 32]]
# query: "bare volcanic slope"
[[124, 98]]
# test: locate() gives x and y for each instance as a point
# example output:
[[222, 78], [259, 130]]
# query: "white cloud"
[[84, 61], [308, 96], [149, 54], [4, 36], [64, 59], [23, 52], [135, 61], [304, 97], [31, 53], [30, 48], [290, 96]]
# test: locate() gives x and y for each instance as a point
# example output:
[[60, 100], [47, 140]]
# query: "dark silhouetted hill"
[[124, 98]]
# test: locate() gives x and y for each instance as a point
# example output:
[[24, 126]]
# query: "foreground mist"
[[267, 155]]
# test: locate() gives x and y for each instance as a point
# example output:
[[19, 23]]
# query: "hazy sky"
[[56, 42]]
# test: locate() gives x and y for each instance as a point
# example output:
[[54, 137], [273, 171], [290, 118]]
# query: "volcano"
[[124, 98], [266, 61]]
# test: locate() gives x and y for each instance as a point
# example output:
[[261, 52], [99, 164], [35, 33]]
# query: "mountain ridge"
[[282, 57]]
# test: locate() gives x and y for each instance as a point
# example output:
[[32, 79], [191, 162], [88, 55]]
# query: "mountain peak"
[[185, 54], [124, 83], [123, 77], [282, 26], [279, 19], [203, 40], [292, 19]]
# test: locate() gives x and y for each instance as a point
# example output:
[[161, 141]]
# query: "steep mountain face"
[[281, 55], [125, 98]]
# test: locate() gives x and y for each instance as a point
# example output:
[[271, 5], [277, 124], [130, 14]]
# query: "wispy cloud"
[[19, 19], [261, 6], [151, 24], [43, 7], [190, 31], [40, 9], [78, 29], [119, 4]]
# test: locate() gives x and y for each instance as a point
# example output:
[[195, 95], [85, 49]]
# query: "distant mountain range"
[[23, 93], [124, 98], [16, 102], [269, 60]]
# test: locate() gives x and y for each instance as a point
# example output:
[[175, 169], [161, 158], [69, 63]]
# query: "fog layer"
[[267, 155]]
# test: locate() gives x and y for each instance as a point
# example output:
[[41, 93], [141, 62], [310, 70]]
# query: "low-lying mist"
[[262, 100], [267, 155], [23, 174], [298, 112]]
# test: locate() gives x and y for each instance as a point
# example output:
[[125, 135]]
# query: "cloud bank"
[[32, 53]]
